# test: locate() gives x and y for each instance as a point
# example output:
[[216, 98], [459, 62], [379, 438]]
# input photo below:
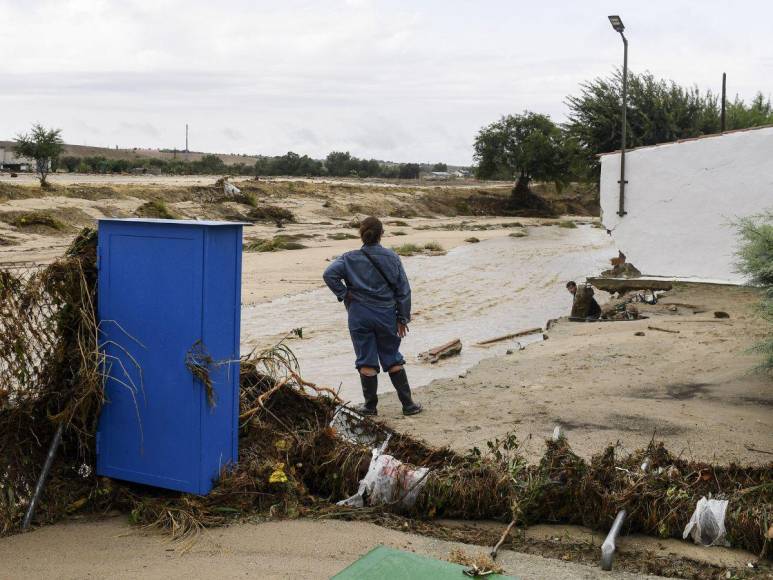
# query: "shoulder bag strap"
[[380, 271]]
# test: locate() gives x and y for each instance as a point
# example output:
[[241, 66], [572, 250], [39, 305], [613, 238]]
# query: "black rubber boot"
[[400, 382], [369, 393]]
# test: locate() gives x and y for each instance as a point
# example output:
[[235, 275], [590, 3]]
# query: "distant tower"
[[186, 137]]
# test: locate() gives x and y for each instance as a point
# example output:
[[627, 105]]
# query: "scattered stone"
[[721, 314]]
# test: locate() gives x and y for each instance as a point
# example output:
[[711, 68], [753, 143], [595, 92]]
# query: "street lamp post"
[[617, 24]]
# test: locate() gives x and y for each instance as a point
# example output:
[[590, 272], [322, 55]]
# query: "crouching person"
[[584, 305], [372, 284]]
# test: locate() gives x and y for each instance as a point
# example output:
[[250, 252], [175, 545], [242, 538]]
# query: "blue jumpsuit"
[[374, 307]]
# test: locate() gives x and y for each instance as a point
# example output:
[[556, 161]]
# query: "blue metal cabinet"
[[164, 285]]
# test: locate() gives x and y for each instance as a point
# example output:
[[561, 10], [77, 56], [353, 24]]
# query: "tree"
[[440, 167], [43, 145], [339, 163], [409, 171], [758, 112], [659, 111], [527, 145], [211, 164]]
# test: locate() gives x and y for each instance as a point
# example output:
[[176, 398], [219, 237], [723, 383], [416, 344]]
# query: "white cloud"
[[395, 80]]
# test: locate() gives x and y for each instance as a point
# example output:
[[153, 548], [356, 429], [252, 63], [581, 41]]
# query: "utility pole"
[[186, 137], [724, 99], [617, 24]]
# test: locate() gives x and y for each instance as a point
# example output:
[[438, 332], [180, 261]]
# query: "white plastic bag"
[[707, 524], [388, 480], [230, 189]]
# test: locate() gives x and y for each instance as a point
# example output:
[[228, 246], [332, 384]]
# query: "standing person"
[[372, 284]]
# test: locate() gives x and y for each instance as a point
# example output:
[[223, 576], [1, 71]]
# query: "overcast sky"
[[394, 80]]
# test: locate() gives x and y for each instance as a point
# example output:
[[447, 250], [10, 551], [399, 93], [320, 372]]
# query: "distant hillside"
[[136, 153], [229, 159]]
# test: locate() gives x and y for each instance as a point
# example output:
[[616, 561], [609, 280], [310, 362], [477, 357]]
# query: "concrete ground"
[[296, 549]]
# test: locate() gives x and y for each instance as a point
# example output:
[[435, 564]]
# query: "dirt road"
[[290, 549]]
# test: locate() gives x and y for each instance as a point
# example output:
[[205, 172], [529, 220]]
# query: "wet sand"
[[695, 390]]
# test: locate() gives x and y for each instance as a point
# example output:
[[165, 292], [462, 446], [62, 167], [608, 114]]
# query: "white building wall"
[[682, 199]]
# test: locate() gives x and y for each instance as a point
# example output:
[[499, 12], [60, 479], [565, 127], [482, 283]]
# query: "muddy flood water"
[[475, 292]]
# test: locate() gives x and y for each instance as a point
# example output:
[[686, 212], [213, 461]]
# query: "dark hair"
[[571, 284], [371, 230]]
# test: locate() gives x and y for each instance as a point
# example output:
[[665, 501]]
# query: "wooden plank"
[[535, 330], [663, 329], [446, 346], [629, 284], [451, 348]]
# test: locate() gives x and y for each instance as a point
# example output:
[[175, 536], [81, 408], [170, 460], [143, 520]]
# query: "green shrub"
[[755, 260], [155, 209], [521, 234], [249, 198], [407, 250], [271, 213], [472, 240], [567, 224], [399, 233], [276, 244], [413, 249], [23, 220], [342, 236]]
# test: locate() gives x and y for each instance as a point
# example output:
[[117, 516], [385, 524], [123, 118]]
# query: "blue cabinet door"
[[164, 286]]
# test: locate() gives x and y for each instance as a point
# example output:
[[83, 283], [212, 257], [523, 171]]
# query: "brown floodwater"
[[474, 292]]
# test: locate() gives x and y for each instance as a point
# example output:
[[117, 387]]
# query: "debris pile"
[[620, 268]]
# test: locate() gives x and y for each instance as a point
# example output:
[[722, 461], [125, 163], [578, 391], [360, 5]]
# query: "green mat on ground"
[[389, 564]]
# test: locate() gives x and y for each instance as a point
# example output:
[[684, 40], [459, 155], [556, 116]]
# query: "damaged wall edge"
[[683, 199]]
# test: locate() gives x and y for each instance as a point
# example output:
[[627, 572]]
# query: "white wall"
[[681, 199]]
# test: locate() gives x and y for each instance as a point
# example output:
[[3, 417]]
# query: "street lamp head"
[[617, 23]]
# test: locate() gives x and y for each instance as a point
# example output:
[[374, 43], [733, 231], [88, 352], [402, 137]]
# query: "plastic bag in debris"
[[230, 189], [388, 480], [707, 524], [651, 298], [350, 426]]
